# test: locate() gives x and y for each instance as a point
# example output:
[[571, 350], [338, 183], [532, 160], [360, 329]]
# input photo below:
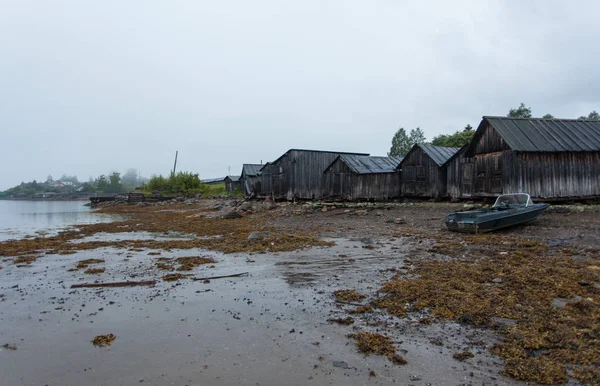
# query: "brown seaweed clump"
[[93, 271], [373, 343], [104, 340], [361, 310], [164, 266], [463, 355], [174, 277], [84, 263], [189, 263], [25, 259], [348, 296]]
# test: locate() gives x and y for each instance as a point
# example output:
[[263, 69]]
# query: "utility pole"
[[175, 165]]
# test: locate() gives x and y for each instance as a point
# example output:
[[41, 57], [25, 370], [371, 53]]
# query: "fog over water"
[[87, 88]]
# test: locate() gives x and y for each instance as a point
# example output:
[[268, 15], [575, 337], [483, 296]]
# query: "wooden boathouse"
[[547, 158], [250, 180], [424, 172], [358, 177], [460, 175], [298, 174], [232, 183]]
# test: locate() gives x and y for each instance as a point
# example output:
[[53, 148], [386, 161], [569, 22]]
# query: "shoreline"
[[46, 199]]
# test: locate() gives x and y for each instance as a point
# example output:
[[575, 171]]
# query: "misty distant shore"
[[45, 199]]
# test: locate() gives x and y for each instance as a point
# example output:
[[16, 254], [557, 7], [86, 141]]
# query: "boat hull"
[[492, 219]]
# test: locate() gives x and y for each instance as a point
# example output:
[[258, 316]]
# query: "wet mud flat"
[[282, 322]]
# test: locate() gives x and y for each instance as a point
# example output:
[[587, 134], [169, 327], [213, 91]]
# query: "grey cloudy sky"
[[90, 87]]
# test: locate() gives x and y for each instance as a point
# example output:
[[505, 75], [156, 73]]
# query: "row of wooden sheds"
[[555, 158]]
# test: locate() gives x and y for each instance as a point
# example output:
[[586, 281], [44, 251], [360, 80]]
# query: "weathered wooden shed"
[[424, 170], [232, 183], [359, 177], [298, 174], [459, 175], [251, 180], [547, 158]]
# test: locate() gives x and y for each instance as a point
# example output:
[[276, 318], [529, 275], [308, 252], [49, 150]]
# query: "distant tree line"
[[402, 141], [104, 184]]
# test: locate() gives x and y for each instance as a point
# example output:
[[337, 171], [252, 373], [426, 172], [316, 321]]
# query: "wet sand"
[[267, 328], [226, 332]]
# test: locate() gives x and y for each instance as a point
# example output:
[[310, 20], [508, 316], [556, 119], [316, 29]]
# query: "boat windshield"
[[513, 199]]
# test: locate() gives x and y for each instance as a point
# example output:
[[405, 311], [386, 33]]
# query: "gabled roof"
[[251, 169], [211, 180], [314, 151], [364, 164], [233, 178], [543, 135], [461, 149], [439, 154]]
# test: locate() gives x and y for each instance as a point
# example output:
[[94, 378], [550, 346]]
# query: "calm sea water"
[[22, 218]]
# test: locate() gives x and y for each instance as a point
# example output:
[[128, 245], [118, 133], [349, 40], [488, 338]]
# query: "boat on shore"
[[508, 210]]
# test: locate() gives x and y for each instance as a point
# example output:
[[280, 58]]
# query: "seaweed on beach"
[[174, 276], [25, 259], [190, 262], [93, 271], [505, 277], [85, 263], [225, 235], [348, 295], [374, 343], [103, 340]]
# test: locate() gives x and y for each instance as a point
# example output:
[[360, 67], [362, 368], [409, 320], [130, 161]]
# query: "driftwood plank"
[[220, 277], [115, 284]]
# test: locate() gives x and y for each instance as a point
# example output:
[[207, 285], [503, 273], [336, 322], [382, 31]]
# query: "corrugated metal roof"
[[546, 135], [251, 169], [364, 164], [211, 180], [233, 178], [439, 154], [314, 151]]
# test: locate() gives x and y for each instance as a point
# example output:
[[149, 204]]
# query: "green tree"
[[593, 116], [520, 112], [548, 116], [468, 127], [402, 142], [182, 181], [114, 184], [101, 183], [417, 136], [458, 139], [87, 187]]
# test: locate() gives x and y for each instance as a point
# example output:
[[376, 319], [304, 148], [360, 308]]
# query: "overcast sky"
[[91, 87]]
